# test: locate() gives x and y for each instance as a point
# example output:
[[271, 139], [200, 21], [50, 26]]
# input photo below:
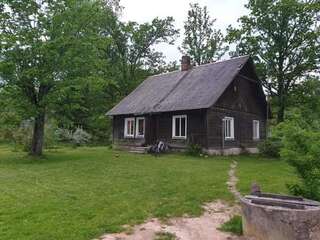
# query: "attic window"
[[179, 126], [129, 127]]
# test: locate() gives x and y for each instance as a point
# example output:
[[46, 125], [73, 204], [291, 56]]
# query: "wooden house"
[[220, 106]]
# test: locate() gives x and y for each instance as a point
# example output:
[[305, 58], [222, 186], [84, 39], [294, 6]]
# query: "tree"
[[132, 59], [133, 49], [201, 41], [45, 46], [305, 98], [283, 38]]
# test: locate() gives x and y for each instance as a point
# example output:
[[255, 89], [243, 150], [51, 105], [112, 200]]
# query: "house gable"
[[244, 94]]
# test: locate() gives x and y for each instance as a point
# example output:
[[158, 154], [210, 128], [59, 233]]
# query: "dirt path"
[[232, 182], [185, 228]]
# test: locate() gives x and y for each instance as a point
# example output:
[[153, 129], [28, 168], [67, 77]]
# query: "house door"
[[152, 130]]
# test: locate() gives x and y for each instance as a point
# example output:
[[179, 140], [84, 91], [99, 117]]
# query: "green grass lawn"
[[271, 175], [82, 193]]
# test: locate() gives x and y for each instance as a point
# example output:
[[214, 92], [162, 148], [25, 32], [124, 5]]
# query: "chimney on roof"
[[185, 63]]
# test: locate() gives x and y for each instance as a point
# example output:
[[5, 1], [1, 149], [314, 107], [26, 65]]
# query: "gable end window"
[[179, 126], [228, 126], [129, 127], [256, 130], [140, 127]]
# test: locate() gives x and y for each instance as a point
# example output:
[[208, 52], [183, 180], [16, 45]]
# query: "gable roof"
[[200, 87]]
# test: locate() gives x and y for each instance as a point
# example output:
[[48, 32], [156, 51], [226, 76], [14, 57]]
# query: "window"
[[228, 125], [129, 127], [256, 129], [179, 126], [140, 127]]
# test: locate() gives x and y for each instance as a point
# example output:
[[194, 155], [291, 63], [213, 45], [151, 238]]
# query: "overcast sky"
[[225, 11]]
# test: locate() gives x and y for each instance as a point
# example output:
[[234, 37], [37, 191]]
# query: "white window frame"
[[126, 120], [174, 126], [225, 120], [256, 129], [137, 127]]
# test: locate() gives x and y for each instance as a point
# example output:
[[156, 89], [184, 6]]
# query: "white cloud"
[[225, 11]]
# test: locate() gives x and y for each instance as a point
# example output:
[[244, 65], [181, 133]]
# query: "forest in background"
[[65, 63]]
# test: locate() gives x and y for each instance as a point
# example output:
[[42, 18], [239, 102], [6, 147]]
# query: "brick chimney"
[[185, 63]]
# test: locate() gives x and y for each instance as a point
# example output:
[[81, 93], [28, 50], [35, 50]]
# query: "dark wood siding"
[[243, 102], [159, 127], [196, 128], [243, 129]]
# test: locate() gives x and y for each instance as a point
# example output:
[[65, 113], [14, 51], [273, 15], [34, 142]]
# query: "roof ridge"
[[221, 61], [205, 64], [165, 73]]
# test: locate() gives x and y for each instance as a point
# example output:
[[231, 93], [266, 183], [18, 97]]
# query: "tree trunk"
[[280, 114], [281, 96], [38, 135]]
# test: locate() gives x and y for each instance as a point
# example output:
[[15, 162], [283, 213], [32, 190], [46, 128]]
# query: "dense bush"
[[77, 137], [194, 149], [80, 137], [270, 147], [63, 135], [301, 148]]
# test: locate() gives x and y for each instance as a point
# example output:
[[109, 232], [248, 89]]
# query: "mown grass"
[[272, 175], [85, 192], [82, 193]]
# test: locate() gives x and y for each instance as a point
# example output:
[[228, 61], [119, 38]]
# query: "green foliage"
[[132, 52], [234, 225], [305, 103], [11, 115], [302, 150], [165, 236], [282, 36], [85, 104], [201, 41], [270, 147], [194, 149], [47, 46], [71, 61]]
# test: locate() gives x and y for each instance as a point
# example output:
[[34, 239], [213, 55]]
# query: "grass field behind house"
[[81, 193]]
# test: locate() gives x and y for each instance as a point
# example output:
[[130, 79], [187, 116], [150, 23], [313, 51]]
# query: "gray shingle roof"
[[199, 87]]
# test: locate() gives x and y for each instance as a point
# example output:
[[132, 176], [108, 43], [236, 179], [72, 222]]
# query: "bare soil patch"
[[185, 228], [204, 227]]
